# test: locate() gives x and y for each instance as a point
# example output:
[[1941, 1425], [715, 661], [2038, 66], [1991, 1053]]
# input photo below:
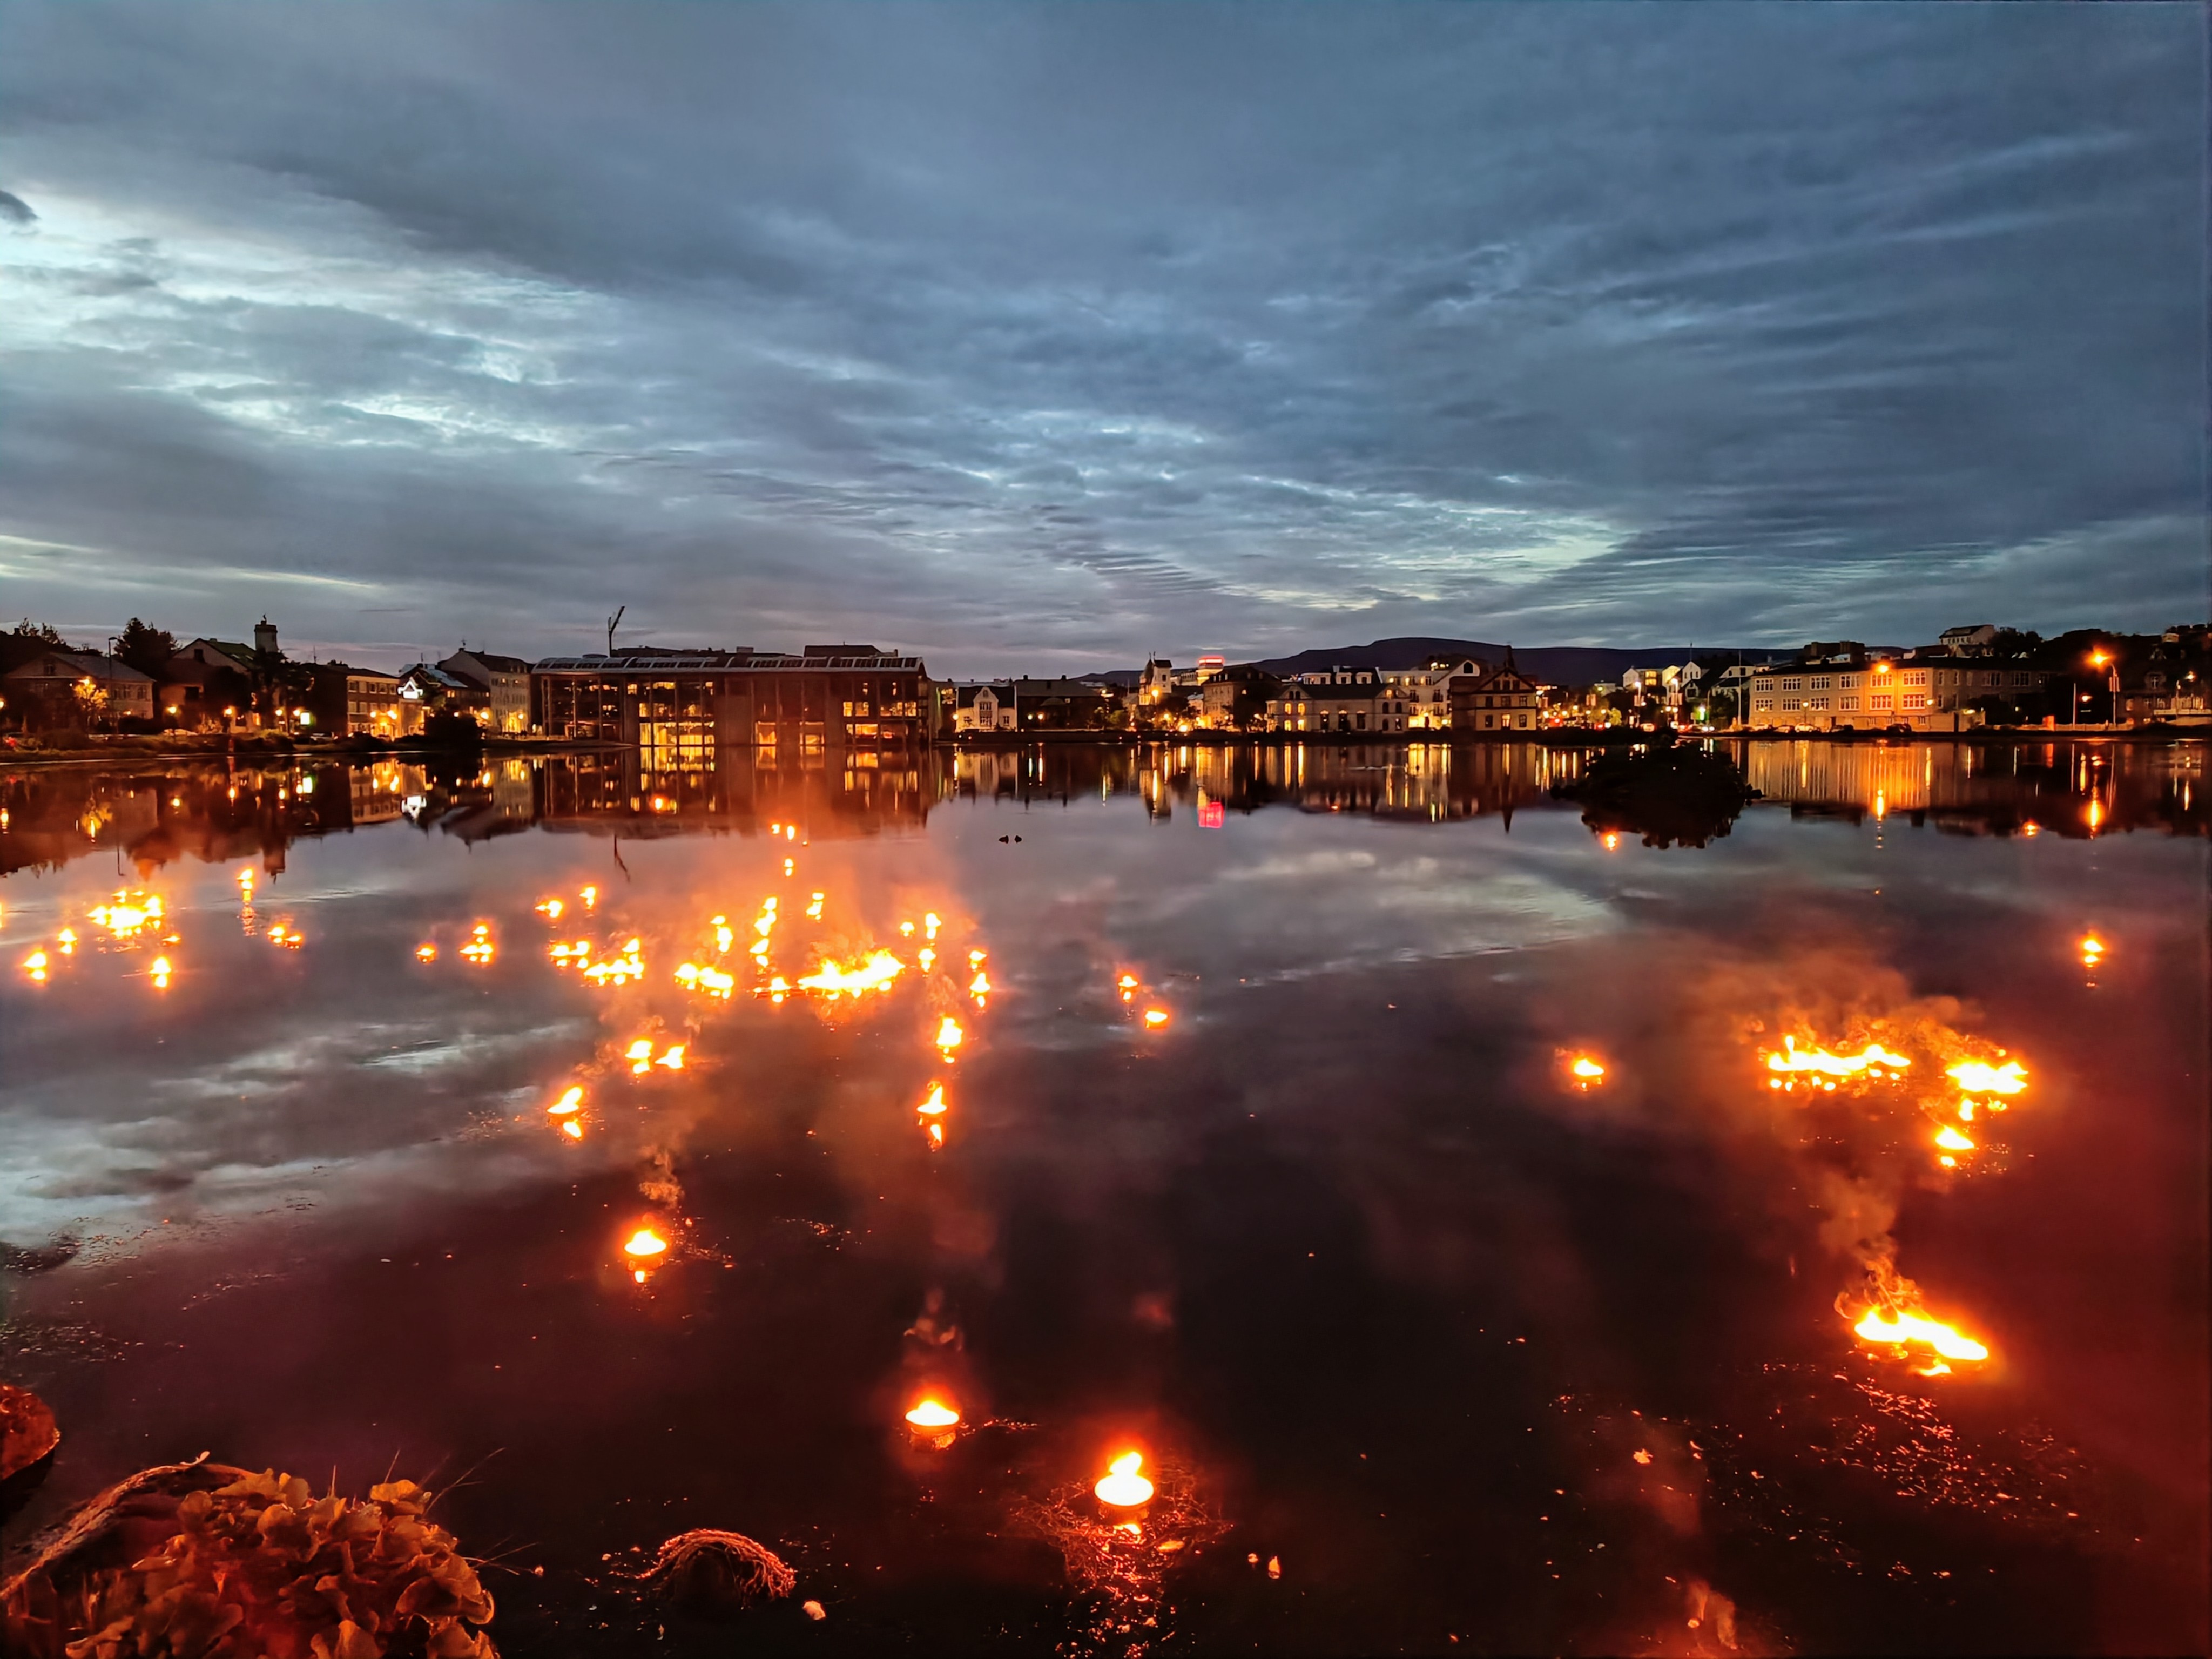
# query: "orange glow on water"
[[569, 1101], [35, 964], [160, 972], [426, 952], [1155, 1018], [479, 949], [934, 1101], [645, 1244], [949, 1034], [1121, 1487]]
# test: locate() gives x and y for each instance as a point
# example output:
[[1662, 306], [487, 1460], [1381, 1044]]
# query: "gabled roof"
[[492, 660], [76, 666], [241, 655]]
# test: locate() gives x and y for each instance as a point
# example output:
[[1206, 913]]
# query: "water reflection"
[[1473, 1232], [2072, 788]]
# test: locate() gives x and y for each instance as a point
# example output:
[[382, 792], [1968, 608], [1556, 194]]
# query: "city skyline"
[[1057, 339]]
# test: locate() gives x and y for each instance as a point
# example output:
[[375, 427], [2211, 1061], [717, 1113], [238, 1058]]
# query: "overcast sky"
[[1051, 336]]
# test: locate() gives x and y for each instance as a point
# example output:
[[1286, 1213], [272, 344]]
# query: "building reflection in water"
[[2066, 788], [219, 813]]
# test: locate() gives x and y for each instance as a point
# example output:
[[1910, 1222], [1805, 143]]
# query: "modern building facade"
[[685, 705]]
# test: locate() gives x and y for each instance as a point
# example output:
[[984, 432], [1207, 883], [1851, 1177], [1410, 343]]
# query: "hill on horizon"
[[1555, 665]]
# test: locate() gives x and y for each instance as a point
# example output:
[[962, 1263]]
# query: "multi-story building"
[[1495, 701], [426, 689], [1049, 704], [684, 705], [79, 690], [1855, 690], [1344, 701], [372, 703], [506, 682], [986, 706], [1236, 698], [1421, 697]]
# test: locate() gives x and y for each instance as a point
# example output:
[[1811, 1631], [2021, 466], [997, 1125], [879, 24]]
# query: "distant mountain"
[[1554, 665]]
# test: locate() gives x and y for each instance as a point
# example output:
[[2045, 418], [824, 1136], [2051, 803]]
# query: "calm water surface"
[[1430, 1345]]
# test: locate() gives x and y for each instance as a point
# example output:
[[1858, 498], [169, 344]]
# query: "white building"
[[985, 706]]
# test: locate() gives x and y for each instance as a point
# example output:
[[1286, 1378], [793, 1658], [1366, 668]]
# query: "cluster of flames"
[[1887, 1310], [725, 956]]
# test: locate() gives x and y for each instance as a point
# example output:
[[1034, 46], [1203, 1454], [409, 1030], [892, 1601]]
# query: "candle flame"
[[1121, 1487], [932, 1414]]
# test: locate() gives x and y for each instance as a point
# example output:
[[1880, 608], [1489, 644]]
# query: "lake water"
[[1430, 1344]]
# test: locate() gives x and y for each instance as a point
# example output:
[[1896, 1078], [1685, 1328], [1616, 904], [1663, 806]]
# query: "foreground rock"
[[203, 1559]]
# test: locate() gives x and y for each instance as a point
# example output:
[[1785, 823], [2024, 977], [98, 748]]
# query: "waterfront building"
[[684, 704], [1420, 698], [983, 706], [1063, 704], [426, 689], [506, 681], [1498, 700], [77, 690], [1852, 689], [1238, 699], [1344, 701]]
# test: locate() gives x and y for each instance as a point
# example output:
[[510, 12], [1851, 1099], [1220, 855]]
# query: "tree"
[[26, 639], [146, 650]]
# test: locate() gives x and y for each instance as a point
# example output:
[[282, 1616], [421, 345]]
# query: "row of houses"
[[685, 703], [210, 685]]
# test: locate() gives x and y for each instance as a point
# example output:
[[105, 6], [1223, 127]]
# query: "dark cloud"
[[1060, 335], [15, 210]]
